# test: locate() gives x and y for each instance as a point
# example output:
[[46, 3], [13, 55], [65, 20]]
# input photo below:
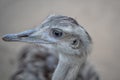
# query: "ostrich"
[[70, 41]]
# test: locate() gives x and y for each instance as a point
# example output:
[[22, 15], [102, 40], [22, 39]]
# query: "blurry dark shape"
[[35, 64]]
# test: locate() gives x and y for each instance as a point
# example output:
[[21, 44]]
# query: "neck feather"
[[68, 67]]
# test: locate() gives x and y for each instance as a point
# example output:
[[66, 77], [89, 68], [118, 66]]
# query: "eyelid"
[[65, 34], [57, 29]]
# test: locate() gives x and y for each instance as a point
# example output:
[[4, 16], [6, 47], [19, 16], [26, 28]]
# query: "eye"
[[57, 32]]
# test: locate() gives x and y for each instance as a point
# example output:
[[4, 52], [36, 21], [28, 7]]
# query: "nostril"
[[23, 35]]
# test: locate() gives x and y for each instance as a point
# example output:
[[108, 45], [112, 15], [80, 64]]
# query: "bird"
[[62, 36]]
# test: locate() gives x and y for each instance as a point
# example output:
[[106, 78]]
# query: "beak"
[[24, 37]]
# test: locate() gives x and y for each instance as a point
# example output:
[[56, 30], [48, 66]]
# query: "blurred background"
[[101, 18]]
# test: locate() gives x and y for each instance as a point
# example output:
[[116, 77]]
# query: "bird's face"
[[58, 36]]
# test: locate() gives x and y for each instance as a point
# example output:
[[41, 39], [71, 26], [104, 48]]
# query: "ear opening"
[[75, 43]]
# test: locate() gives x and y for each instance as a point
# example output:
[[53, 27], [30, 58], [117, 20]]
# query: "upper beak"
[[24, 37]]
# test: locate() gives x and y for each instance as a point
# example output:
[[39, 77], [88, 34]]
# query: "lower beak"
[[24, 37]]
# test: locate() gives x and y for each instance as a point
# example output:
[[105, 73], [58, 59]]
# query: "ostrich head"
[[61, 34]]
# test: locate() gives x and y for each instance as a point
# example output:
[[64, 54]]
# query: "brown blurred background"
[[101, 18]]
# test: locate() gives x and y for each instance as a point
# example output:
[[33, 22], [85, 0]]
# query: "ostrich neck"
[[68, 67]]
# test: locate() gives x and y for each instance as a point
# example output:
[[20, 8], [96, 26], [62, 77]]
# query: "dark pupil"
[[57, 33]]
